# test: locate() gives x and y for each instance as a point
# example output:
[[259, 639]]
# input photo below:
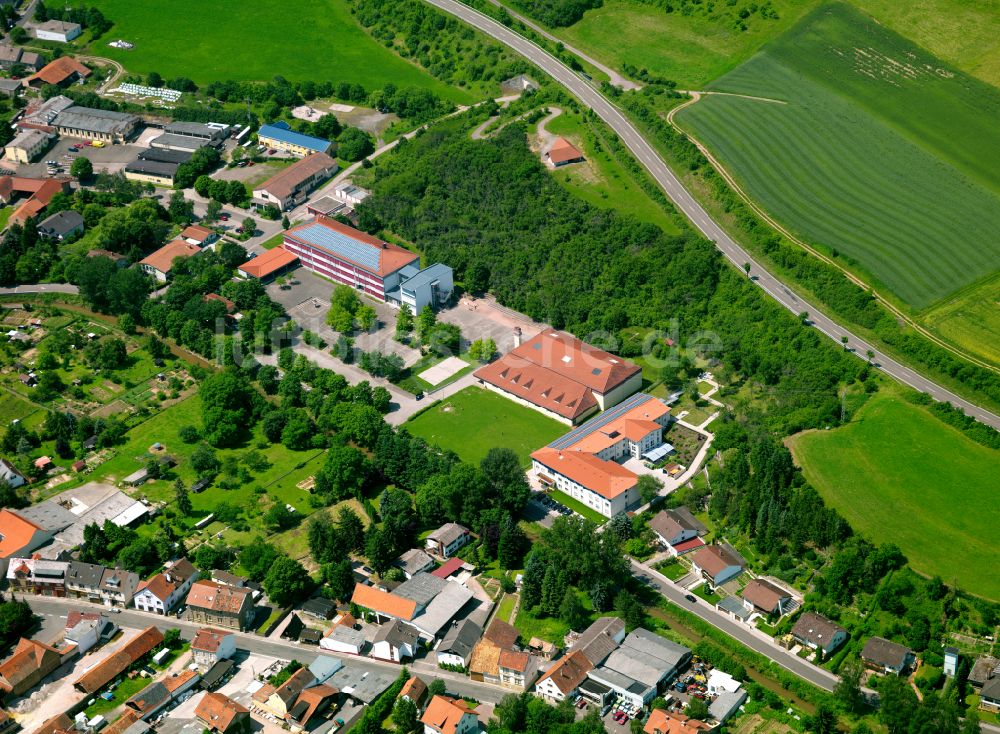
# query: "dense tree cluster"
[[16, 621], [88, 17], [557, 13], [527, 714], [109, 544]]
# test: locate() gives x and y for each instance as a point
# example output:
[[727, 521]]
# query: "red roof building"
[[38, 192], [562, 153], [160, 263], [61, 72], [269, 265]]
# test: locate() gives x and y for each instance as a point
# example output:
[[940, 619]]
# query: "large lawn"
[[970, 319], [316, 40], [473, 421], [874, 149], [898, 474]]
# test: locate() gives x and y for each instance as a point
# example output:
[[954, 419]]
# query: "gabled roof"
[[30, 657], [568, 672], [197, 232], [414, 689], [714, 559], [764, 595], [208, 639], [598, 640], [461, 638], [219, 711], [285, 183], [163, 259], [448, 533], [670, 524], [310, 701], [84, 574], [18, 534], [269, 262], [384, 602], [666, 722], [444, 714], [562, 151], [448, 568], [296, 683], [397, 634], [58, 71], [607, 478], [885, 653], [118, 662], [501, 634], [159, 586], [815, 629]]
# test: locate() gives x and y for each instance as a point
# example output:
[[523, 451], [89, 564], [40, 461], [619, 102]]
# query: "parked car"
[[691, 598]]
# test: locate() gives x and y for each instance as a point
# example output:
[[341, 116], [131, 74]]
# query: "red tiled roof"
[[542, 386], [159, 586], [208, 639], [383, 602], [163, 259], [107, 670], [414, 689], [16, 533], [569, 672], [30, 657], [607, 478], [513, 660], [270, 262], [688, 545], [443, 714], [664, 722], [58, 71], [217, 597], [284, 183], [448, 568], [196, 232], [562, 151], [713, 559], [219, 711], [763, 594]]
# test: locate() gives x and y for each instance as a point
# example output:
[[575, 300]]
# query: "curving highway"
[[651, 160]]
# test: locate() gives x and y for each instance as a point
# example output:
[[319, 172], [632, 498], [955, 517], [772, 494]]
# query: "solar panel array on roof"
[[340, 244], [598, 422]]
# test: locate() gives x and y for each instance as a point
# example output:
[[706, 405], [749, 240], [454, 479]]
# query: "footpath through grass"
[[898, 474], [316, 40], [874, 149], [474, 420]]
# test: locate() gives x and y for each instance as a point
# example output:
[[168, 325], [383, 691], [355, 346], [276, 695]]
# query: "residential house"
[[27, 145], [341, 638], [883, 656], [716, 563], [159, 694], [83, 581], [600, 639], [291, 186], [395, 641], [819, 633], [87, 629], [989, 696], [984, 669], [283, 698], [196, 234], [61, 225], [413, 562], [10, 475], [313, 701], [119, 662], [30, 663], [447, 539], [484, 664], [414, 690], [456, 647], [60, 31], [735, 608], [446, 715], [162, 592], [762, 596], [159, 264], [678, 530], [562, 377], [222, 715], [37, 576], [11, 55], [211, 645], [517, 669], [661, 721], [19, 537], [118, 587], [219, 605], [564, 677], [36, 194]]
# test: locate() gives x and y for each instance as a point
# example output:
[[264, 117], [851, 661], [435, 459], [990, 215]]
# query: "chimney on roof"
[[385, 245], [517, 336]]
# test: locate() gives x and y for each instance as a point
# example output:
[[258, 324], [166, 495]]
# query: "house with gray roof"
[[394, 641], [600, 639], [818, 632], [456, 647], [61, 225], [422, 588], [885, 656], [106, 126], [413, 562], [83, 581], [726, 704], [447, 539]]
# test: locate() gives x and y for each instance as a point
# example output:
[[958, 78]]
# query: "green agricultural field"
[[970, 319], [898, 474], [867, 146], [316, 40], [602, 181], [474, 420], [689, 48]]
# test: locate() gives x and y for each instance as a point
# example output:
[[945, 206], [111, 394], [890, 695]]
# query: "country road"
[[686, 203]]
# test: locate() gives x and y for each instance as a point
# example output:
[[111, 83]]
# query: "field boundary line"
[[781, 229]]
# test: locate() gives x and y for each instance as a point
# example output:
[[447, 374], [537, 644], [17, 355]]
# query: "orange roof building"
[[446, 715], [562, 153], [118, 662], [666, 722], [196, 234], [221, 714], [563, 678], [38, 192], [269, 265], [61, 72], [18, 538], [26, 668], [160, 263], [585, 463], [383, 603], [562, 376]]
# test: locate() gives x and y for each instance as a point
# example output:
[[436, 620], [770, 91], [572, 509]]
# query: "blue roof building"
[[280, 136]]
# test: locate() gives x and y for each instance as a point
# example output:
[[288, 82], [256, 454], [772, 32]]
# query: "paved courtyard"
[[443, 370]]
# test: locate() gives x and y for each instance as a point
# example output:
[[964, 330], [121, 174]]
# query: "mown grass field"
[[900, 475], [970, 319], [474, 420], [874, 149], [601, 180], [318, 40]]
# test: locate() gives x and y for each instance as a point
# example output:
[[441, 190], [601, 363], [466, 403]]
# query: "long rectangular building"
[[289, 187], [352, 257], [585, 462], [104, 125]]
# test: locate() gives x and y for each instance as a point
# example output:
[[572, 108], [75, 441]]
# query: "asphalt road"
[[817, 676], [39, 288], [53, 612], [648, 157]]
